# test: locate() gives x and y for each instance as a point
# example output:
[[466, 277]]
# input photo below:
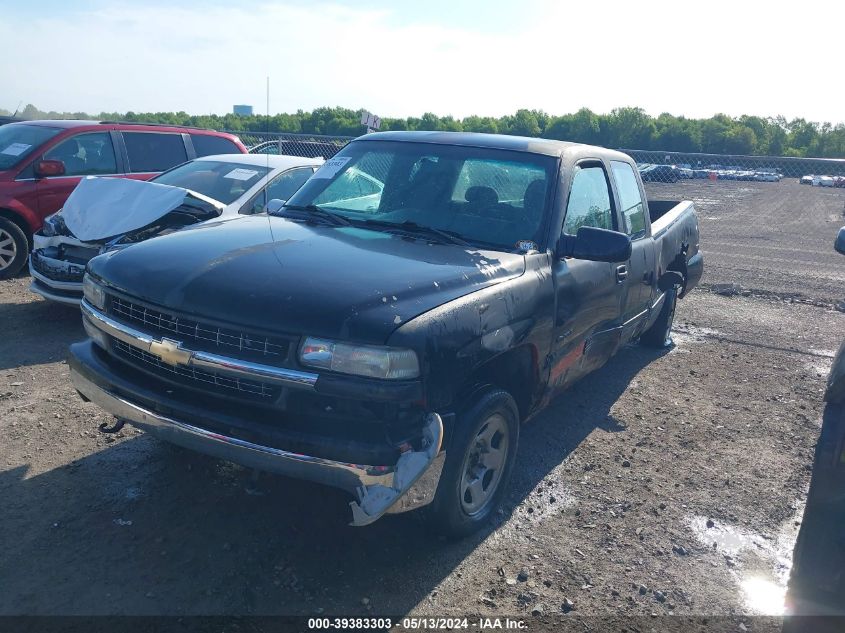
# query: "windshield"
[[223, 181], [17, 141], [490, 198]]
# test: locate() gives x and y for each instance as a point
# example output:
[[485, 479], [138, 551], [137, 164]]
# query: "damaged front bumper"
[[53, 276], [406, 485], [69, 292]]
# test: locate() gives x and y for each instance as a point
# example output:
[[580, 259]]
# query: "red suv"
[[42, 161]]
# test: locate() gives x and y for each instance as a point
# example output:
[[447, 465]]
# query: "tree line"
[[626, 128]]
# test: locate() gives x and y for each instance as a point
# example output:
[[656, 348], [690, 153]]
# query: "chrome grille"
[[202, 336], [192, 377]]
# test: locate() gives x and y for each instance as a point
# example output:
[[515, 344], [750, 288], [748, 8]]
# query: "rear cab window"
[[154, 151], [631, 204]]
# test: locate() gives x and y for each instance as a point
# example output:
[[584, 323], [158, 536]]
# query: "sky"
[[398, 59]]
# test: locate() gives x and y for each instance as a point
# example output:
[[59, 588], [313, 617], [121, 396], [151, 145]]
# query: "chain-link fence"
[[305, 145], [654, 166], [658, 166]]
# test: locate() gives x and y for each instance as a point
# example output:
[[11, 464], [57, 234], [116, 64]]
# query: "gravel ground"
[[666, 482], [775, 239]]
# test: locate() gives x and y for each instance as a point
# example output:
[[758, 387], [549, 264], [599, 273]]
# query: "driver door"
[[587, 312]]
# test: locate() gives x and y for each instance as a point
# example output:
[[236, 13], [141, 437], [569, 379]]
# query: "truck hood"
[[275, 274], [101, 208]]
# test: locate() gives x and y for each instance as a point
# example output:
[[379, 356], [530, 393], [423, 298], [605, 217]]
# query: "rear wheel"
[[14, 248], [660, 332], [478, 465]]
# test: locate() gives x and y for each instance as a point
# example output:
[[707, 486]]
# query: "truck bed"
[[674, 226]]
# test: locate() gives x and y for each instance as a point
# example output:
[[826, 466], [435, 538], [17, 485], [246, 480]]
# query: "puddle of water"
[[763, 593], [764, 596]]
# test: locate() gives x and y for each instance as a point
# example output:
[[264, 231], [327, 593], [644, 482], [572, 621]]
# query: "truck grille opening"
[[228, 386], [202, 336]]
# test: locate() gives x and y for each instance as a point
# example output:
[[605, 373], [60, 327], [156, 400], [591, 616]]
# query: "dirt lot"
[[664, 483]]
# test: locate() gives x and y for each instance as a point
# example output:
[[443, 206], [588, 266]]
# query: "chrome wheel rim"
[[483, 465], [8, 249]]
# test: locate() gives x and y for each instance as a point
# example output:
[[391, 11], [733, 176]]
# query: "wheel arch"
[[20, 221], [515, 371]]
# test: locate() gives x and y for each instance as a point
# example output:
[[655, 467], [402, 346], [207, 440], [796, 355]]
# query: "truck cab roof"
[[546, 147]]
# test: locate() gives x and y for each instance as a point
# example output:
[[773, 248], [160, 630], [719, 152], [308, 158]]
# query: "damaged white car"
[[103, 214]]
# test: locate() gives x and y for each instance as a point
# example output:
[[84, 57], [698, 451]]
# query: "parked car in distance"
[[290, 147], [390, 348], [42, 161], [213, 187], [767, 176], [826, 181], [660, 173]]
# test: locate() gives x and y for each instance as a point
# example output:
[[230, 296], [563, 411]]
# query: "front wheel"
[[14, 248], [660, 332], [479, 461]]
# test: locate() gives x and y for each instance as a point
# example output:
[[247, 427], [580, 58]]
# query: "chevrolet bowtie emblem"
[[170, 352]]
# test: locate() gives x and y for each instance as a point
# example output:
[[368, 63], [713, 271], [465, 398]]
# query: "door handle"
[[621, 273]]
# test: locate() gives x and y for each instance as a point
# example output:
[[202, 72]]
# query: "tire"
[[14, 248], [462, 504], [660, 333], [820, 547]]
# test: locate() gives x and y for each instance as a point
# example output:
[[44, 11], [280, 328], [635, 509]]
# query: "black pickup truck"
[[388, 328]]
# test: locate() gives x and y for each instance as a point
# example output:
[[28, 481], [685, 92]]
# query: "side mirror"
[[840, 241], [275, 205], [44, 168], [594, 244]]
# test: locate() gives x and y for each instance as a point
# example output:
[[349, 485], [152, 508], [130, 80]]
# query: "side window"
[[589, 201], [154, 151], [85, 154], [206, 145], [630, 199], [282, 187]]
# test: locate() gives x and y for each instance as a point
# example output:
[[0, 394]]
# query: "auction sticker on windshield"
[[241, 174], [331, 167], [16, 149]]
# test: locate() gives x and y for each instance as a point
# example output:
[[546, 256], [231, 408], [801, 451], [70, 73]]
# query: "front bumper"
[[378, 489], [60, 289]]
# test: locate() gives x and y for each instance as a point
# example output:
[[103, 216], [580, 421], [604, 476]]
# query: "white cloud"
[[664, 56]]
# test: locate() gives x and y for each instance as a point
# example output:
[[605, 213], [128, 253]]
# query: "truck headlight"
[[361, 360], [93, 292]]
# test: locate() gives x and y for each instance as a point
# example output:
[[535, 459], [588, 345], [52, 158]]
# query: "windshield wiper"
[[335, 218], [412, 227]]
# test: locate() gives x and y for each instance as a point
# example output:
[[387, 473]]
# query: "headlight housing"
[[93, 292], [390, 363], [54, 225]]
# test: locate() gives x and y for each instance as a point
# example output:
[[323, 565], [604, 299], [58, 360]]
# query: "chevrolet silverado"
[[389, 327]]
